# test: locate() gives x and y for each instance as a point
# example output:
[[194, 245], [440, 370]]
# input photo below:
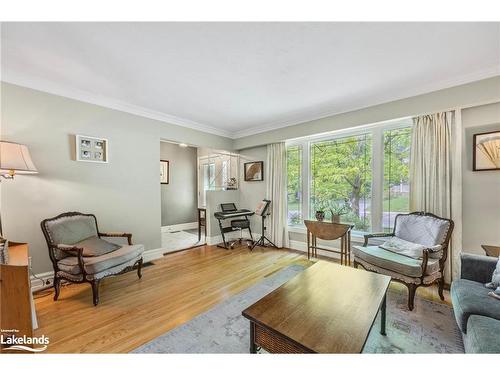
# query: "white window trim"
[[376, 130]]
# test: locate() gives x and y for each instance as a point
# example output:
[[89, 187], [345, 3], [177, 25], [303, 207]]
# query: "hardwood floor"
[[171, 292]]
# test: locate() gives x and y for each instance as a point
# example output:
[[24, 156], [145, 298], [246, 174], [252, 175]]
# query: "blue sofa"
[[477, 314]]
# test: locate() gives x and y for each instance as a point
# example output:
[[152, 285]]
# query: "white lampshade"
[[15, 157]]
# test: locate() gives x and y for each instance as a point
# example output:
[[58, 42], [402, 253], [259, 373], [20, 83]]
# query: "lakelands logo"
[[10, 341]]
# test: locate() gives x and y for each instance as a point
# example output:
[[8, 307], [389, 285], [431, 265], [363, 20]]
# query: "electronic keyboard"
[[222, 215]]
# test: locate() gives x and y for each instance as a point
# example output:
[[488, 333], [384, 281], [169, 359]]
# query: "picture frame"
[[91, 149], [486, 151], [164, 172], [253, 171]]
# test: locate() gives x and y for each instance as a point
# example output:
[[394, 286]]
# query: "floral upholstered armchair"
[[80, 254], [414, 253]]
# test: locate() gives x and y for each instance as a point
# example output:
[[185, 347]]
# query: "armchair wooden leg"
[[95, 291], [57, 287], [411, 296], [355, 264], [139, 268], [441, 288]]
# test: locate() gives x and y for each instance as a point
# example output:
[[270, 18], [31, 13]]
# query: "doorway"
[[179, 197]]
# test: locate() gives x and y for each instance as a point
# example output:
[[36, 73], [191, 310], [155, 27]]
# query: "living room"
[[250, 188]]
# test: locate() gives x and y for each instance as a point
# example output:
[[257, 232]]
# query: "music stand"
[[263, 211]]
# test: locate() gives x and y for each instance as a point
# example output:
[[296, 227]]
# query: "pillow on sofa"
[[495, 278], [410, 249], [95, 246]]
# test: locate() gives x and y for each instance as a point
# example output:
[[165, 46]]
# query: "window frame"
[[376, 131]]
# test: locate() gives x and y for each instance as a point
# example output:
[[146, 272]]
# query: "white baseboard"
[[214, 240], [45, 280], [153, 254], [302, 246], [42, 281], [177, 227]]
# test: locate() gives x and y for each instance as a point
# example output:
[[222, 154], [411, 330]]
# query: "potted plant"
[[320, 215], [337, 209]]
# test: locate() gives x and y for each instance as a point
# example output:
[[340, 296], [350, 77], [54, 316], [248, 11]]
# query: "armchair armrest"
[[425, 261], [117, 234], [73, 251], [477, 267], [375, 235]]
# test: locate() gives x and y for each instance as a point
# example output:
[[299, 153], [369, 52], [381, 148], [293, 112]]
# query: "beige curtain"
[[431, 168], [430, 164], [275, 178]]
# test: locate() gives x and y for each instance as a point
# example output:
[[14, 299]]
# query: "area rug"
[[429, 328]]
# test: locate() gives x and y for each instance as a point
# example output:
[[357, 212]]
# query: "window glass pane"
[[341, 179], [209, 176], [396, 175], [294, 185], [224, 173]]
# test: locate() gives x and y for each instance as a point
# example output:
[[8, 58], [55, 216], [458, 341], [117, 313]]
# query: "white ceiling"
[[236, 79]]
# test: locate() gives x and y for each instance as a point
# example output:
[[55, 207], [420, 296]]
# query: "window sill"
[[355, 235]]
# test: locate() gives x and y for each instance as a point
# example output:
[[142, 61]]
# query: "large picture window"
[[341, 177], [396, 175], [363, 175], [294, 185]]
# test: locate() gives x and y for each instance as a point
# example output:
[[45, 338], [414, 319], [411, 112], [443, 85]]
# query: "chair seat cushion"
[[395, 262], [471, 298], [100, 263], [243, 224], [95, 246], [482, 335]]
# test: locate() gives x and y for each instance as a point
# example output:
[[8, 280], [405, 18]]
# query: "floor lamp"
[[15, 159]]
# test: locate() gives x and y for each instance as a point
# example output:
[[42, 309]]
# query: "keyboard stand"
[[224, 230]]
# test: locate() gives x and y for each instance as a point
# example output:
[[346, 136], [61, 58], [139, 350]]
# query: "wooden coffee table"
[[327, 308]]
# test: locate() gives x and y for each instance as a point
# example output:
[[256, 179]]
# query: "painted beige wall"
[[124, 194], [480, 190], [252, 192], [483, 91], [179, 198]]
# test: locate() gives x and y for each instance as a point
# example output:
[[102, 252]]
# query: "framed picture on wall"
[[254, 171], [486, 153], [164, 171], [91, 149]]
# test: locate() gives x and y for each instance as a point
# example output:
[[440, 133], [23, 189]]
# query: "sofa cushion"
[[495, 278], [482, 335], [98, 264], [395, 262], [471, 298], [95, 246], [425, 230]]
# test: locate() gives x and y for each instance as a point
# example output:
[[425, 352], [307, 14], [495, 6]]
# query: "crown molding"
[[107, 102], [370, 102]]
